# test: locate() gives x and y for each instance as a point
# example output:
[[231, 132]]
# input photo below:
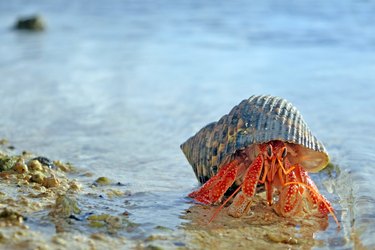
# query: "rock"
[[10, 216], [31, 23], [35, 165], [102, 181], [38, 178], [51, 182], [74, 186], [64, 207], [65, 167], [20, 167], [7, 162], [44, 161]]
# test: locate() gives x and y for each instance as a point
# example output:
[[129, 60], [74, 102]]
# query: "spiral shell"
[[257, 120]]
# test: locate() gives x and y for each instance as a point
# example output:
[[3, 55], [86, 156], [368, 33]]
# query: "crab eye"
[[269, 150], [284, 153]]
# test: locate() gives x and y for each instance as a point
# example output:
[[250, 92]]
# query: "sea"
[[116, 86]]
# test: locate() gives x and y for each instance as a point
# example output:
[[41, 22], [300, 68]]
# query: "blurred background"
[[116, 86]]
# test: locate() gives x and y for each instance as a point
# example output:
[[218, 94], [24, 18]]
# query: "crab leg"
[[242, 201], [324, 206], [314, 197], [290, 198], [214, 189], [267, 181]]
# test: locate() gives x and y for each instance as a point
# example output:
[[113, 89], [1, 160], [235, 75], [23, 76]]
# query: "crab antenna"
[[324, 202], [225, 202]]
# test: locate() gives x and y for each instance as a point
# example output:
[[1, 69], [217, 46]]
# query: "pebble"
[[75, 186], [20, 168], [37, 178], [35, 165], [103, 181], [51, 182]]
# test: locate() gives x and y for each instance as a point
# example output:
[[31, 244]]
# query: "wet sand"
[[39, 208], [260, 230]]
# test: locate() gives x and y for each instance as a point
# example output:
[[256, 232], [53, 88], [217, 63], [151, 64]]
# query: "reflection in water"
[[261, 228], [117, 87]]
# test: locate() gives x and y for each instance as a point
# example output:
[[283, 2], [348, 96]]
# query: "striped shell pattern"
[[256, 120]]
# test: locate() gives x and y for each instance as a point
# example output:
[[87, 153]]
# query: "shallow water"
[[116, 87]]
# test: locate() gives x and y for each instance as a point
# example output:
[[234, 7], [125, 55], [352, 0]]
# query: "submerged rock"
[[31, 23], [65, 206], [102, 181]]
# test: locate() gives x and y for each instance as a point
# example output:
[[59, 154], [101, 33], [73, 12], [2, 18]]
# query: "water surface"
[[116, 87]]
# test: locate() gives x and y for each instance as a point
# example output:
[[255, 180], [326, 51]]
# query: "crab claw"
[[214, 189], [290, 198]]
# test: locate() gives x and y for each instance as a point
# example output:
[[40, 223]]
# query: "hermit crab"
[[262, 141]]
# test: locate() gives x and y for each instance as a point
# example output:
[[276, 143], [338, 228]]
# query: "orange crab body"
[[263, 140]]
